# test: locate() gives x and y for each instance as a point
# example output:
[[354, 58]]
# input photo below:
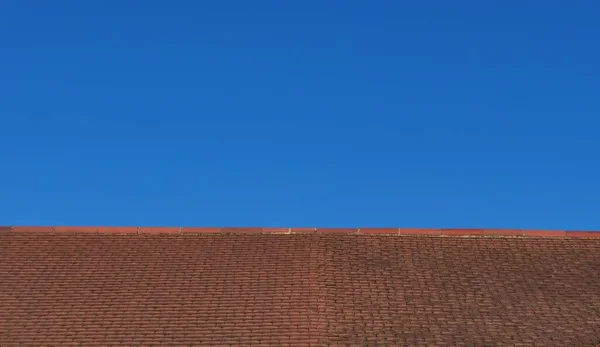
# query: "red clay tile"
[[303, 230], [276, 230], [503, 232], [5, 228], [75, 229], [32, 229], [158, 230], [462, 232], [545, 233], [118, 230], [203, 230], [420, 231], [297, 290], [336, 230], [95, 289], [584, 234], [241, 230], [379, 231]]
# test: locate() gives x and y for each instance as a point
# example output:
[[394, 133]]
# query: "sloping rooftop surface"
[[71, 286]]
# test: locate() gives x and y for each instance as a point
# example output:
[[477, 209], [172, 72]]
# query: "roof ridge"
[[439, 232]]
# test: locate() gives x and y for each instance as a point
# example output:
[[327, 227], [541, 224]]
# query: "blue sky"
[[300, 113]]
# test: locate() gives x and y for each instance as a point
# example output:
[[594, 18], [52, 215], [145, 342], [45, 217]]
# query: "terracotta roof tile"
[[69, 229], [503, 232], [462, 232], [337, 230], [303, 230], [33, 229], [277, 230], [420, 231], [159, 230], [375, 287], [379, 231], [545, 233], [242, 230], [186, 230], [119, 230], [587, 234]]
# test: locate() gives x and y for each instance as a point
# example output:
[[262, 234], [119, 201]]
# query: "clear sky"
[[300, 113]]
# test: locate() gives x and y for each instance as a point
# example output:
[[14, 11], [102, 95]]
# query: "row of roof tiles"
[[258, 230]]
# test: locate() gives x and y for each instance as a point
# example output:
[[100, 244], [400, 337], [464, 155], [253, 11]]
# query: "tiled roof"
[[96, 286]]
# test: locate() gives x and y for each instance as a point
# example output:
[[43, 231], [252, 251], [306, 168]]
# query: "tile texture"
[[329, 289]]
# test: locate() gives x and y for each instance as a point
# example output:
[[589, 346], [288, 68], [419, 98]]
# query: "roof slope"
[[299, 289]]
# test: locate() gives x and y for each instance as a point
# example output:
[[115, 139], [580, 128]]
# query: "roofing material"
[[140, 286]]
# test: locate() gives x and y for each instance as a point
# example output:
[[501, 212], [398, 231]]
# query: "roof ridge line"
[[433, 232]]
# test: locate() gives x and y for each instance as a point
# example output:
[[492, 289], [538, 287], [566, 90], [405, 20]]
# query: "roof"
[[97, 286]]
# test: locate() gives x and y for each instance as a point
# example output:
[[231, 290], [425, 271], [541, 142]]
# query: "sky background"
[[300, 113]]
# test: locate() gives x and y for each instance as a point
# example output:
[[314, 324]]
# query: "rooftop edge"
[[442, 232]]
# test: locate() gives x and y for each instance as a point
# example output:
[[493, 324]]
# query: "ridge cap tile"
[[200, 230], [159, 230], [118, 230], [75, 229], [544, 233], [420, 231], [442, 232], [242, 230], [583, 234], [379, 231], [276, 230], [462, 232], [303, 230], [503, 232], [337, 230], [33, 229]]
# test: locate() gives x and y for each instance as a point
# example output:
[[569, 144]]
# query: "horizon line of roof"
[[440, 232]]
